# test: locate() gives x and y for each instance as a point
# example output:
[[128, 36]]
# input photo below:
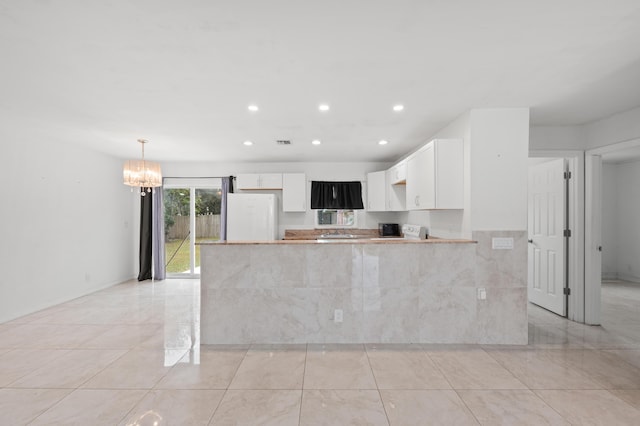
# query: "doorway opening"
[[556, 276], [612, 175], [191, 215], [548, 234]]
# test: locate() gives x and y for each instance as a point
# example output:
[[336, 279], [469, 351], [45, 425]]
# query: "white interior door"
[[547, 247]]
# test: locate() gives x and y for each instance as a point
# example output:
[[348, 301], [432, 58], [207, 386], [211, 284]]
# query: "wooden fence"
[[207, 226]]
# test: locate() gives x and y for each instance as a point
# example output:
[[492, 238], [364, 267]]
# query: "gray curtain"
[[227, 187], [159, 272]]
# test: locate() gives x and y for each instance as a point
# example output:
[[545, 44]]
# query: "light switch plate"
[[502, 243]]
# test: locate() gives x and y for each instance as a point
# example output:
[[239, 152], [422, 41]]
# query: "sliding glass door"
[[191, 215]]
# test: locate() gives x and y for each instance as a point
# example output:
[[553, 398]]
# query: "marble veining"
[[568, 373], [395, 292]]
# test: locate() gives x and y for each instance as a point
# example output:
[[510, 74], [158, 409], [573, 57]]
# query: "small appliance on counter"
[[388, 230], [414, 232]]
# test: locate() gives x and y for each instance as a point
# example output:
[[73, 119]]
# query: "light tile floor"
[[130, 355]]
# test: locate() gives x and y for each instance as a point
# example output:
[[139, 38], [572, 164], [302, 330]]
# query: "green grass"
[[180, 263]]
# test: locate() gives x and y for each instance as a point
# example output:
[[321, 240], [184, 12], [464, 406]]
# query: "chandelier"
[[141, 173]]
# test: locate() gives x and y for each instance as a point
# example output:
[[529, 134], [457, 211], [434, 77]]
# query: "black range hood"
[[336, 195]]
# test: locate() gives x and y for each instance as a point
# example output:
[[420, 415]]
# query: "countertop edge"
[[352, 241]]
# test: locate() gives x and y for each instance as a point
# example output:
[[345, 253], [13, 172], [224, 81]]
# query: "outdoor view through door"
[[191, 215]]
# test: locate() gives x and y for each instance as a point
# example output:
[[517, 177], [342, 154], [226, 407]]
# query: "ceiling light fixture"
[[248, 143], [323, 107], [141, 173], [383, 142], [253, 108], [316, 142], [398, 107]]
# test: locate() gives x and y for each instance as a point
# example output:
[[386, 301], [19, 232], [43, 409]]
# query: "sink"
[[337, 237]]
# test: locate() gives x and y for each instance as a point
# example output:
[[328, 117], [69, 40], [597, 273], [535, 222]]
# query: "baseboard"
[[630, 278]]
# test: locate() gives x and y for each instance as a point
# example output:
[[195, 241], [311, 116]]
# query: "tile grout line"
[[528, 388], [49, 408], [366, 351], [426, 353], [226, 389], [435, 363], [304, 373]]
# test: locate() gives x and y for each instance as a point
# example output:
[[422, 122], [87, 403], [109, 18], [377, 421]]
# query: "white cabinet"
[[259, 181], [420, 179], [396, 192], [398, 173], [294, 192], [435, 176], [376, 191]]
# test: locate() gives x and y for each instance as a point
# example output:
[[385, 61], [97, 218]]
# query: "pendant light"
[[141, 173]]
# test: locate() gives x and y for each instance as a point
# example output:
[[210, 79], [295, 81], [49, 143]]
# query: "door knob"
[[530, 241], [599, 248]]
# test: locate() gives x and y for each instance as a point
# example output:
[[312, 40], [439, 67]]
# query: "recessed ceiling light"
[[383, 142], [248, 143], [253, 108], [323, 107], [398, 107], [316, 142]]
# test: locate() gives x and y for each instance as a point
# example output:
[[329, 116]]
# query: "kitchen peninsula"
[[362, 290]]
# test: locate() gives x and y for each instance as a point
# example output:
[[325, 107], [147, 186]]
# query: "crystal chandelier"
[[141, 173]]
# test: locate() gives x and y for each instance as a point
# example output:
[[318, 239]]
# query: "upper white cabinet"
[[435, 176], [294, 192], [259, 181], [398, 173], [376, 191], [420, 179]]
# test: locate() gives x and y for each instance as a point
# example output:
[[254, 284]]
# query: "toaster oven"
[[388, 230]]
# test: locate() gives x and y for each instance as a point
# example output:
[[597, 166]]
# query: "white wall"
[[620, 224], [496, 150], [617, 128], [499, 161], [313, 171], [454, 223], [620, 127], [66, 223], [549, 138]]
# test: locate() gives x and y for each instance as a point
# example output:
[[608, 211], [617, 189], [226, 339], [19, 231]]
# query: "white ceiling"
[[182, 73]]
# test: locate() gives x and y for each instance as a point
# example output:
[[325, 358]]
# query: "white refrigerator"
[[252, 217]]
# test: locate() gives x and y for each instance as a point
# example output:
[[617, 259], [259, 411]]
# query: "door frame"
[[575, 222], [192, 184], [593, 238], [593, 231]]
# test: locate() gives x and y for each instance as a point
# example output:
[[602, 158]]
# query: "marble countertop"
[[345, 241]]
